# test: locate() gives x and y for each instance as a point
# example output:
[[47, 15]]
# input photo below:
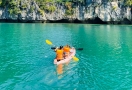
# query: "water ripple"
[[26, 61]]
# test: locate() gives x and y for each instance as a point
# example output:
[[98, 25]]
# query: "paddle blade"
[[75, 58], [48, 42], [53, 47], [79, 49]]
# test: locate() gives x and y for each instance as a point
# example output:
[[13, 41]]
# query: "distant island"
[[67, 11]]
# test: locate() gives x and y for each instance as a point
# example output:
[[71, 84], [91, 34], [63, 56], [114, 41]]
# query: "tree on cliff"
[[4, 3], [128, 2]]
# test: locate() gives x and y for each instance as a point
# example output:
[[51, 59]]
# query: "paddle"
[[50, 43], [76, 48], [75, 58]]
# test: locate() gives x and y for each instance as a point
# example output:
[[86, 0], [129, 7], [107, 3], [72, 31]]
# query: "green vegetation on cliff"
[[128, 2], [46, 5], [12, 6]]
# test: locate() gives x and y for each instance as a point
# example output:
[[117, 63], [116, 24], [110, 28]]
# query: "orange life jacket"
[[66, 49], [59, 54]]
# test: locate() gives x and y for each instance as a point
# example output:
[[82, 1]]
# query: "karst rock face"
[[95, 10]]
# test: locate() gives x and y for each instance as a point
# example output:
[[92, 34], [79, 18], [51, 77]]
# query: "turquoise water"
[[26, 61]]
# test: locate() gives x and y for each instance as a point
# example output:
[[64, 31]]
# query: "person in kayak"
[[59, 56], [59, 53], [66, 51]]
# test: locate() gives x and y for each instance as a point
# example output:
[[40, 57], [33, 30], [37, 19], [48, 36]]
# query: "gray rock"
[[106, 11]]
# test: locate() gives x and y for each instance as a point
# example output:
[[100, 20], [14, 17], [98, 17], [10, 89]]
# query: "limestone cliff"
[[94, 11]]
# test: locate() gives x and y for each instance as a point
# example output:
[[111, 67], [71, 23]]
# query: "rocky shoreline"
[[95, 21]]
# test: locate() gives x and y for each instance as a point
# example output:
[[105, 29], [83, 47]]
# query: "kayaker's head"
[[61, 47], [67, 46]]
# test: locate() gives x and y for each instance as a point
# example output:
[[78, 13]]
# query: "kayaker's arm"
[[56, 49]]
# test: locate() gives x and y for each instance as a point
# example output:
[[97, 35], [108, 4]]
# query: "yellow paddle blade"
[[49, 42], [75, 58]]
